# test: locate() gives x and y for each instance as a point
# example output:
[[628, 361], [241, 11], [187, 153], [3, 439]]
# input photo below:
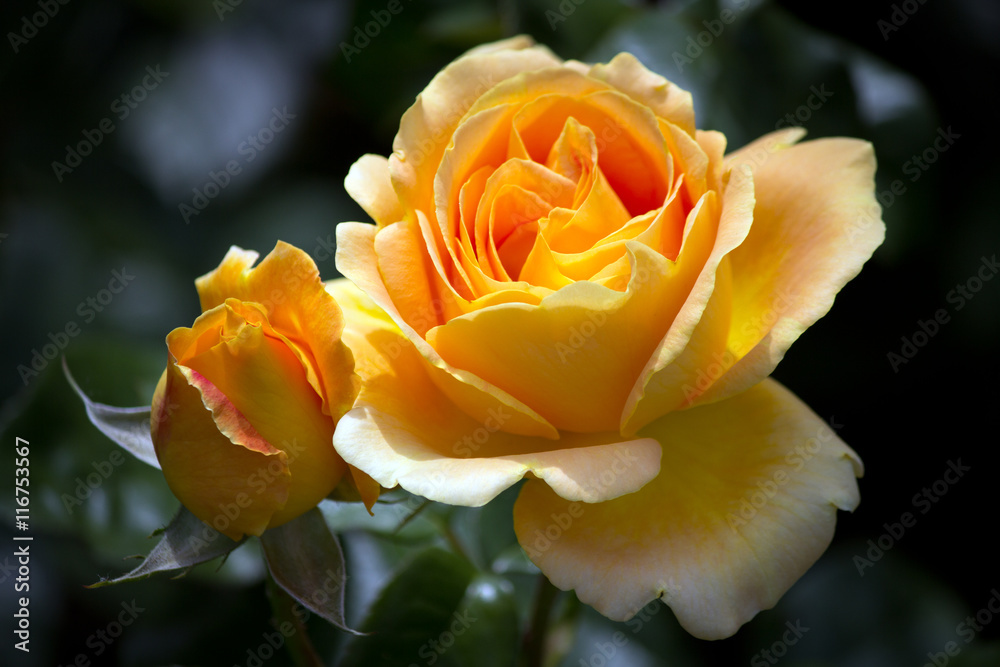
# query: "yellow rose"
[[243, 417], [567, 281]]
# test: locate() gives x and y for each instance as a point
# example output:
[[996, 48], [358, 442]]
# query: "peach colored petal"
[[405, 431], [287, 284], [805, 245], [745, 502], [211, 455], [369, 184], [356, 259], [627, 74], [699, 332], [256, 373], [426, 128]]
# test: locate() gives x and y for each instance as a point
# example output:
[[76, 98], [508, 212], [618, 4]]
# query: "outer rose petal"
[[369, 184], [287, 284], [255, 370], [404, 430], [688, 536], [192, 450], [357, 259], [668, 101], [816, 222], [698, 333]]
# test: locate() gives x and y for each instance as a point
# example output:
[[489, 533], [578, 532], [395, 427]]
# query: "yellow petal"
[[627, 74], [287, 284], [226, 280], [816, 222], [254, 369], [357, 259], [426, 128], [212, 471], [406, 431], [574, 357], [369, 184], [698, 335], [744, 504]]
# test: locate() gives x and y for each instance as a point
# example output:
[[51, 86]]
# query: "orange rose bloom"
[[243, 417], [567, 281]]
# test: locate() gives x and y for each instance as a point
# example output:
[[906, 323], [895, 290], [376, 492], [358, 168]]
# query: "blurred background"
[[117, 125]]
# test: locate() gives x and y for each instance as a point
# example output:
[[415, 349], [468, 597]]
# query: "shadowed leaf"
[[305, 559], [129, 427], [187, 541]]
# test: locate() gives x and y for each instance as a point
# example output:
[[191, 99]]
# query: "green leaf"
[[187, 541], [486, 625], [410, 621], [305, 559], [129, 427]]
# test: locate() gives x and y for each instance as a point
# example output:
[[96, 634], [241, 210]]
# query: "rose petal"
[[255, 371], [287, 284], [699, 332], [633, 152], [357, 259], [574, 357], [816, 222], [426, 128], [627, 74], [210, 454], [745, 502], [369, 184], [405, 431]]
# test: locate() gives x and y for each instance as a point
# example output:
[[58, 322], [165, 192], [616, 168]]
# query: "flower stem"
[[533, 646], [298, 643]]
